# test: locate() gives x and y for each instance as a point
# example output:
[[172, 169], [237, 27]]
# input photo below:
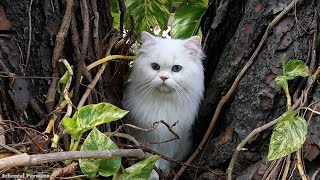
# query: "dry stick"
[[91, 86], [56, 53], [225, 98], [109, 58], [287, 167], [30, 160], [62, 33], [96, 78], [10, 148], [299, 165], [95, 31], [29, 41], [85, 38]]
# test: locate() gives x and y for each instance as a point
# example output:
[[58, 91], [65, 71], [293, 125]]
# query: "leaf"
[[116, 20], [283, 82], [114, 6], [187, 18], [295, 68], [288, 136], [105, 167], [63, 81], [91, 116], [71, 127], [141, 170], [148, 13]]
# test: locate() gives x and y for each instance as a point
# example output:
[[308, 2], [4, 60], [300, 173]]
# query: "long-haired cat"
[[167, 83]]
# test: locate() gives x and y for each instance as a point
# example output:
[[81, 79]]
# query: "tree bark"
[[232, 31]]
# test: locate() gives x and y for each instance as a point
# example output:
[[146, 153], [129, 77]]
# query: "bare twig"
[[109, 58], [95, 33], [24, 69], [176, 136], [10, 148], [62, 33], [123, 135], [30, 160], [225, 98], [85, 38]]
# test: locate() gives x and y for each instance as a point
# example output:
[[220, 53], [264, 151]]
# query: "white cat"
[[167, 83]]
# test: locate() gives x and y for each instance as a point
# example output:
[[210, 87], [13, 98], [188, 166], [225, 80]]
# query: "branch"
[[30, 160]]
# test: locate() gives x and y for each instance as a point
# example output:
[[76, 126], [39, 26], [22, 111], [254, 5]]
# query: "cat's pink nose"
[[164, 78]]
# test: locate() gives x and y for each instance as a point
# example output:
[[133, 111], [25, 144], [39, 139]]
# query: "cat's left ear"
[[193, 44]]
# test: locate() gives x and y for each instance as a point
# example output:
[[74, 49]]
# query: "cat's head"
[[169, 65]]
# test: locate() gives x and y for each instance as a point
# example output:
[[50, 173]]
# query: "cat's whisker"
[[182, 91]]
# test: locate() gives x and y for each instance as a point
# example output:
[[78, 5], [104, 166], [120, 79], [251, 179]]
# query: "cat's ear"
[[147, 38], [193, 45]]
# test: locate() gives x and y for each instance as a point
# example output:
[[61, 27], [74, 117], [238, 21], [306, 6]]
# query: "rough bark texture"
[[232, 30]]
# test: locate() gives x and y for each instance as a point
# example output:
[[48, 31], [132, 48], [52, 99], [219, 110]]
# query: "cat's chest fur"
[[154, 107]]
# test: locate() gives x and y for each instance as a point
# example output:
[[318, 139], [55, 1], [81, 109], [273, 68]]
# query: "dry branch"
[[30, 160]]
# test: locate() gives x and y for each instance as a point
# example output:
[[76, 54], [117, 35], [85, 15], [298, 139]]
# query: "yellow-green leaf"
[[139, 171], [91, 116], [105, 167], [288, 136], [295, 68], [283, 82]]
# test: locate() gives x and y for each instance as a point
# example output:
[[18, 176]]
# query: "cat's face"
[[167, 65]]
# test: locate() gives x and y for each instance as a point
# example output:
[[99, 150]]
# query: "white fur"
[[149, 99]]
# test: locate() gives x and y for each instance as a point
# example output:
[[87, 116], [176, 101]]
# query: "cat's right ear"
[[147, 38]]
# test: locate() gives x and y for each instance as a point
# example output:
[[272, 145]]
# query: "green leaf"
[[141, 170], [148, 13], [114, 6], [71, 127], [63, 81], [283, 82], [116, 20], [91, 116], [105, 167], [288, 136], [187, 18], [295, 68]]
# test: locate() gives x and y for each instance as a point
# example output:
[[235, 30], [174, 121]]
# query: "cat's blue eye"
[[176, 68], [155, 66]]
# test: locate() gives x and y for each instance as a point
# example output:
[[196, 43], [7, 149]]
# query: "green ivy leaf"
[[91, 116], [139, 171], [288, 136], [187, 18], [295, 68], [283, 82], [148, 13], [71, 127], [105, 167]]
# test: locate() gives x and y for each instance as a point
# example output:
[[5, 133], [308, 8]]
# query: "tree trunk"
[[232, 31]]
